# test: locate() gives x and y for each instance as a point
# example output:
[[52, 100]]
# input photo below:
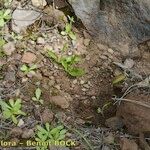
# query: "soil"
[[70, 100]]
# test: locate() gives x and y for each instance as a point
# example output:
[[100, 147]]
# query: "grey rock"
[[120, 24], [22, 18]]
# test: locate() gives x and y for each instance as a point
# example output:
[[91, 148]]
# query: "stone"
[[110, 51], [128, 144], [75, 81], [9, 48], [47, 116], [86, 42], [40, 40], [10, 76], [120, 25], [114, 123], [22, 18], [60, 101], [28, 57], [39, 3], [129, 63], [27, 133], [109, 139], [16, 132]]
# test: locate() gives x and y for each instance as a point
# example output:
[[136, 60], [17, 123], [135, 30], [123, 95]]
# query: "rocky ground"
[[85, 104]]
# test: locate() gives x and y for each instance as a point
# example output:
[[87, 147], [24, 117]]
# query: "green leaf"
[[14, 119], [11, 101], [33, 67], [72, 36], [7, 114], [75, 72], [63, 132], [32, 72], [41, 129], [119, 79], [4, 105], [41, 101], [61, 137], [60, 127], [42, 136], [2, 42], [2, 22], [47, 126], [21, 113], [34, 99], [68, 28], [52, 55], [56, 135], [6, 13], [18, 103], [38, 93], [24, 68], [54, 131]]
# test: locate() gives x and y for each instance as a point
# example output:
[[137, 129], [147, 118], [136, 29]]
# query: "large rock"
[[121, 24]]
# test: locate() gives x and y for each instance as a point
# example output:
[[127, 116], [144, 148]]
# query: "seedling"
[[118, 79], [101, 110], [12, 109], [4, 16], [68, 63], [37, 97], [27, 69], [49, 133], [68, 29]]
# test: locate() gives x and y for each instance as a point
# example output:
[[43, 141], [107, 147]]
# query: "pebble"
[[75, 81], [103, 57], [87, 57], [41, 41], [109, 139], [86, 42], [86, 86], [57, 87], [39, 3], [28, 57], [51, 83], [47, 116], [60, 101], [27, 133], [110, 51], [129, 63], [82, 82], [84, 89], [9, 48]]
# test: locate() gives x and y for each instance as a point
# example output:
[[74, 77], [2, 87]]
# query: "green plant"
[[49, 133], [101, 110], [68, 63], [118, 79], [37, 97], [28, 69], [7, 3], [68, 29], [4, 16], [11, 110]]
